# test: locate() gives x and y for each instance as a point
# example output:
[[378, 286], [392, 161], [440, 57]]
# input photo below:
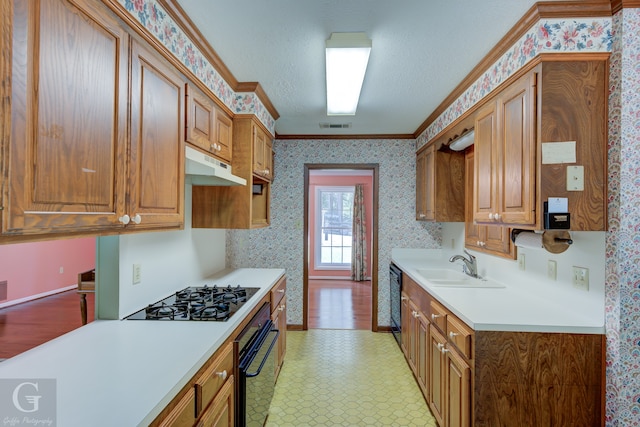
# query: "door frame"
[[375, 168]]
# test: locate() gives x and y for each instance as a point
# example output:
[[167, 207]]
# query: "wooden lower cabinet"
[[220, 412], [279, 319], [500, 378]]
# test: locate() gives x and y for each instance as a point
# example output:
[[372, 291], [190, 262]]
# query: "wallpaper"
[[155, 19], [622, 298], [281, 244], [549, 35]]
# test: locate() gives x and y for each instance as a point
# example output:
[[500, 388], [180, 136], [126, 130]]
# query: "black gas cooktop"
[[202, 303]]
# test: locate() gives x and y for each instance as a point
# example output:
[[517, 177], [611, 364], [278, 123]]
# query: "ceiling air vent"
[[335, 125]]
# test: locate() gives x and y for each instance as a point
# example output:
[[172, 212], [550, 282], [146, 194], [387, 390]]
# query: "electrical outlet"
[[581, 278], [137, 274], [61, 270], [521, 261], [552, 269]]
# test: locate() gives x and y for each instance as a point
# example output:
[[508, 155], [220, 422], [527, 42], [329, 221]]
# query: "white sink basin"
[[456, 279], [442, 275], [467, 283]]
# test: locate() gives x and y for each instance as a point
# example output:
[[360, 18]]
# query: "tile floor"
[[346, 378]]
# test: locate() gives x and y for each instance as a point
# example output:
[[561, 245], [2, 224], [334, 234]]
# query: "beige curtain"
[[359, 237]]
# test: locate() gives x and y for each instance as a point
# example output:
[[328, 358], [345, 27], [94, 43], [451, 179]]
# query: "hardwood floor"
[[339, 304], [32, 323]]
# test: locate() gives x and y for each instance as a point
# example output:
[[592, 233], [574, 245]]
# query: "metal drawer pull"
[[281, 291], [222, 375], [435, 316], [453, 334]]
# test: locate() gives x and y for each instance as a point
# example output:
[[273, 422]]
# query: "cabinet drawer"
[[438, 316], [214, 377], [277, 293], [460, 336], [183, 414]]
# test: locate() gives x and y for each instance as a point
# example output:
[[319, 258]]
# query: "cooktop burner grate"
[[202, 303]]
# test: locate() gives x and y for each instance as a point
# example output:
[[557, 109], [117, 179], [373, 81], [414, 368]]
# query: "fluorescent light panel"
[[347, 55]]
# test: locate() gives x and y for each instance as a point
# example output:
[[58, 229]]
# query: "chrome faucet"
[[470, 266]]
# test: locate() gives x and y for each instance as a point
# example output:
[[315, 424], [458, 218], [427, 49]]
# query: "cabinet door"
[[437, 376], [68, 118], [492, 239], [223, 135], [279, 318], [459, 390], [268, 157], [486, 182], [200, 120], [421, 185], [429, 185], [472, 235], [221, 411], [157, 146], [516, 110], [423, 348], [259, 141]]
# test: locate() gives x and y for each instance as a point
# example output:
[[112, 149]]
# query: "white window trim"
[[317, 264]]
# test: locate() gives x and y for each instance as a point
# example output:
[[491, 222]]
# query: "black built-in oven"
[[256, 369], [395, 301]]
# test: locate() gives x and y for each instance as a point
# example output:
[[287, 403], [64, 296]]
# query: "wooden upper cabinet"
[[238, 206], [157, 146], [77, 162], [68, 119], [207, 126], [439, 184], [558, 100], [505, 157]]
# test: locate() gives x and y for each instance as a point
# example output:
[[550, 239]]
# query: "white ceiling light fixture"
[[347, 55], [463, 141]]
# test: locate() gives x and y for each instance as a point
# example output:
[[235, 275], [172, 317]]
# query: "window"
[[334, 207]]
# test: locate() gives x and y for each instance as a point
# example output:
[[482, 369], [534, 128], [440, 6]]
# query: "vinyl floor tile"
[[346, 378]]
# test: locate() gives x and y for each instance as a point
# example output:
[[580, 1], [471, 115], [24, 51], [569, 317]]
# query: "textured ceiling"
[[421, 50]]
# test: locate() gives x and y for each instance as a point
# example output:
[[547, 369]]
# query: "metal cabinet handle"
[[222, 375], [453, 334], [444, 350], [137, 219], [435, 316], [440, 346], [125, 219], [404, 298], [282, 307], [281, 291]]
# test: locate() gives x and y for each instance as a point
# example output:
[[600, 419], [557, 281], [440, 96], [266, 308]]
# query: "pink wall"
[[338, 180], [34, 268]]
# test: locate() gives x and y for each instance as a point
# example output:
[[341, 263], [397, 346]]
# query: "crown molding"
[[541, 10]]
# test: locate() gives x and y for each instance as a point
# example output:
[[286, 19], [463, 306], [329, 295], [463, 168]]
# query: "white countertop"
[[124, 372], [511, 308]]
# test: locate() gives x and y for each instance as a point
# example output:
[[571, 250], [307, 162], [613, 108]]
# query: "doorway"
[[330, 298]]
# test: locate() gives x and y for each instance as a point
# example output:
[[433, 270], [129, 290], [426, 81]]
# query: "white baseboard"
[[41, 295]]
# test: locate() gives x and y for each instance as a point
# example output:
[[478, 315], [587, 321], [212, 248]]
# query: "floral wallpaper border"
[[156, 20], [549, 35]]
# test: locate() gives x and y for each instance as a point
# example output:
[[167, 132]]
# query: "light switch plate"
[[575, 178], [137, 274], [552, 269], [580, 278], [521, 261]]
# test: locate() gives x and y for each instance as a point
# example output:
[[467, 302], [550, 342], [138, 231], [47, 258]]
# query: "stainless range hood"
[[205, 170]]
